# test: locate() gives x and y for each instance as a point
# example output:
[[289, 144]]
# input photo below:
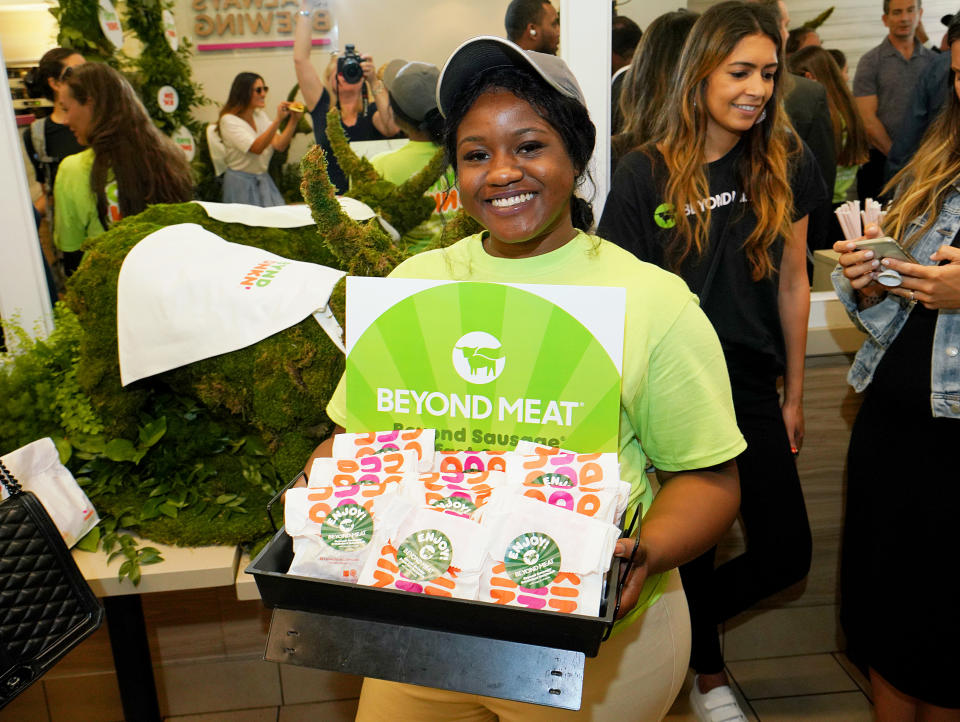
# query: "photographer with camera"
[[344, 82]]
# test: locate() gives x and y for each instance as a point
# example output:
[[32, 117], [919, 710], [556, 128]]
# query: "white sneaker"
[[717, 705]]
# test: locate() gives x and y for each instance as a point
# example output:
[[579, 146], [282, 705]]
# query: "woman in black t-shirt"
[[362, 119], [721, 197]]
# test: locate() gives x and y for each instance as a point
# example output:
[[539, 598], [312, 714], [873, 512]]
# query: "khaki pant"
[[636, 676]]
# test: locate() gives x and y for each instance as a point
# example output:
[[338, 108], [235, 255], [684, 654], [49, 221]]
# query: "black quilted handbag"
[[46, 606]]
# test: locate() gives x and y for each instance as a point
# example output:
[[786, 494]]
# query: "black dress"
[[899, 605]]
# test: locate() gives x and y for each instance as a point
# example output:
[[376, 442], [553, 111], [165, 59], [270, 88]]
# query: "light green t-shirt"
[[675, 404], [397, 166], [75, 205]]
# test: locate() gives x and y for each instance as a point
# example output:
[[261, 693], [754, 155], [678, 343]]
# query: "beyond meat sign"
[[486, 364]]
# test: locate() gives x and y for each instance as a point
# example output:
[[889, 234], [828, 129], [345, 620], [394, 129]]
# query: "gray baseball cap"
[[413, 86], [487, 52]]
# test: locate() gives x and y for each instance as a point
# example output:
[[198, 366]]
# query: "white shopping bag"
[[38, 469]]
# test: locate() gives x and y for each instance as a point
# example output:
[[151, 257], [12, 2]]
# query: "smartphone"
[[885, 247]]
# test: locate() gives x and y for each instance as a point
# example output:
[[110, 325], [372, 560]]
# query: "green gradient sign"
[[486, 364]]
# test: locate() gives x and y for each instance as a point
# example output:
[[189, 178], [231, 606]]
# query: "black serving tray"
[[575, 632]]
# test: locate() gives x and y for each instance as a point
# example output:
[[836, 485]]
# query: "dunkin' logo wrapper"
[[457, 493], [458, 461], [588, 484], [419, 550], [332, 528], [387, 468], [352, 446], [545, 558]]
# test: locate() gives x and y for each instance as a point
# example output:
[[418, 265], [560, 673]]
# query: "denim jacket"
[[883, 321]]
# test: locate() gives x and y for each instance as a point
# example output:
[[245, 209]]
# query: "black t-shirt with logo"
[[744, 312]]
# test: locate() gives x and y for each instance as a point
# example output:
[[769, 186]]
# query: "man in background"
[[533, 25], [626, 36], [928, 98], [883, 86]]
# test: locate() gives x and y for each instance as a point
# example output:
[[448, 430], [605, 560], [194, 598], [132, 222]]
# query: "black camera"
[[349, 65]]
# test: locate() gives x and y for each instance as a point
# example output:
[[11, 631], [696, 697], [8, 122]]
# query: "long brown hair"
[[928, 178], [649, 78], [853, 149], [241, 94], [763, 169], [147, 166]]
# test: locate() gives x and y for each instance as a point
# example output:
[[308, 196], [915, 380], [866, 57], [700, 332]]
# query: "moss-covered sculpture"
[[190, 456], [403, 206]]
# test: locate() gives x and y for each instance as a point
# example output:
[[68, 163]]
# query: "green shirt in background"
[[675, 405], [397, 166], [75, 205]]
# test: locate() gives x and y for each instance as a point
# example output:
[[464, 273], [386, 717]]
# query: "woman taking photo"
[[128, 165], [849, 133], [520, 139], [902, 489], [250, 137], [363, 118], [721, 196]]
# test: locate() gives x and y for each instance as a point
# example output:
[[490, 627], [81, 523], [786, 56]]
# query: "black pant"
[[870, 176], [778, 544]]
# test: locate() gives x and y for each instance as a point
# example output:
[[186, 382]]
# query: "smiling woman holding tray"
[[520, 138]]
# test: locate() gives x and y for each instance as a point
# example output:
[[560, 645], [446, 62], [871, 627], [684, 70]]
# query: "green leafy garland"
[[80, 30], [158, 65]]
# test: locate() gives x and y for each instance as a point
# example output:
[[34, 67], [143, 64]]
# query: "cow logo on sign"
[[478, 357]]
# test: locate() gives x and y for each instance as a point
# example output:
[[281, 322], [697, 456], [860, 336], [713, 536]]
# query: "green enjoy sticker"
[[456, 504], [561, 480], [347, 528], [424, 555], [532, 560]]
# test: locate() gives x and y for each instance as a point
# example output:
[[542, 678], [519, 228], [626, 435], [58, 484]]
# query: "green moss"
[[403, 206], [190, 456]]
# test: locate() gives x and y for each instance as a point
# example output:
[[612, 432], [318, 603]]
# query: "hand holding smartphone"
[[886, 247]]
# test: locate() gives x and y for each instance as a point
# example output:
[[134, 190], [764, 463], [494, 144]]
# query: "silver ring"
[[913, 295]]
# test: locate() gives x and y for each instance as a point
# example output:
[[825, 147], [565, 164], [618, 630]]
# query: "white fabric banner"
[[185, 294], [295, 216]]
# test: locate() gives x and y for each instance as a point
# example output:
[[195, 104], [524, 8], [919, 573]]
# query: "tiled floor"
[[804, 688], [792, 689]]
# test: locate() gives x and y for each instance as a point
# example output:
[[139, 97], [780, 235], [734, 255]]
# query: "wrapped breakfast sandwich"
[[542, 557], [352, 446], [589, 484], [456, 461], [332, 528], [459, 493], [386, 468], [424, 551]]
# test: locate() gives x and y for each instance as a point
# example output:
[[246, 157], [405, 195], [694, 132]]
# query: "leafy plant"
[[80, 30]]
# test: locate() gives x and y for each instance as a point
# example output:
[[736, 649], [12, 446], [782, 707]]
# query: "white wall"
[[642, 12], [23, 289]]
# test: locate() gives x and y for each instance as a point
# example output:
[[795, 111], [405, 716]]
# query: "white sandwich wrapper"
[[354, 445], [390, 466], [332, 529], [542, 557], [425, 551]]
